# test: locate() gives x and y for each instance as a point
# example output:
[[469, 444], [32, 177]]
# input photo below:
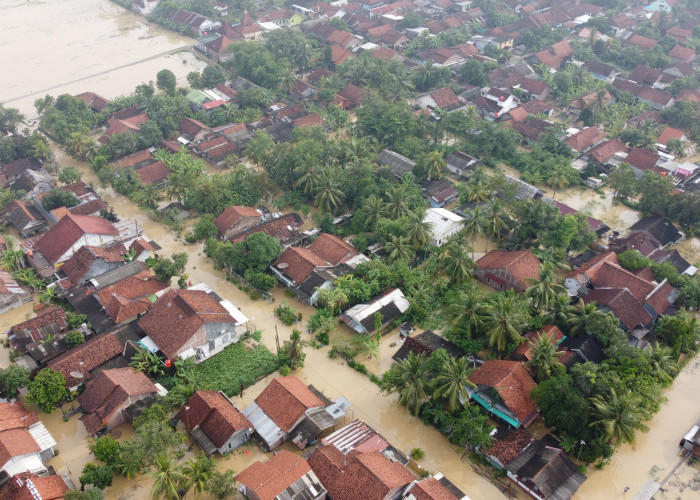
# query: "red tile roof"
[[444, 97], [342, 38], [682, 53], [298, 263], [26, 486], [353, 94], [585, 138], [591, 268], [670, 133], [283, 228], [333, 249], [133, 159], [641, 41], [79, 264], [654, 95], [505, 450], [554, 55], [86, 357], [130, 297], [215, 414], [176, 316], [15, 416], [623, 304], [549, 331], [432, 489], [154, 174], [521, 264], [191, 126], [232, 215], [339, 54], [226, 90], [643, 159], [111, 391], [269, 479], [95, 101], [45, 317], [604, 151], [357, 475], [15, 443], [60, 238], [308, 120], [512, 382], [285, 400], [658, 299]]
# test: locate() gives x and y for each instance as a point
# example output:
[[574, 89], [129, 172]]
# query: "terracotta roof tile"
[[308, 120], [285, 400], [283, 228], [16, 442], [191, 126], [298, 263], [217, 416], [79, 264], [232, 215], [659, 298], [59, 239], [549, 331], [641, 41], [643, 159], [86, 357], [153, 174], [13, 415], [444, 97], [522, 264], [511, 381], [623, 304], [26, 486], [130, 297], [332, 249], [353, 94], [683, 53], [670, 133], [585, 138], [604, 151], [554, 55], [176, 316], [53, 315], [269, 479]]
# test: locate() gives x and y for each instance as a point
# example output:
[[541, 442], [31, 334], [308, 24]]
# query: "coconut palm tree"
[[544, 290], [468, 312], [411, 382], [434, 164], [168, 479], [310, 178], [558, 180], [287, 79], [328, 196], [581, 313], [418, 231], [663, 366], [458, 265], [495, 222], [504, 319], [544, 357], [475, 224], [12, 260], [28, 277], [148, 197], [560, 310], [399, 248], [477, 193], [198, 472], [374, 209], [396, 204], [452, 383], [598, 106], [620, 416], [129, 465]]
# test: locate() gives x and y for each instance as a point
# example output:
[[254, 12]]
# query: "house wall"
[[503, 275], [241, 225], [236, 440], [249, 493], [199, 344], [87, 239], [12, 300]]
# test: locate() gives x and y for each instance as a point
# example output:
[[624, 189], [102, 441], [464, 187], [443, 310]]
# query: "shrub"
[[322, 338], [345, 349], [357, 366], [285, 370], [75, 320], [286, 314], [417, 453], [74, 338]]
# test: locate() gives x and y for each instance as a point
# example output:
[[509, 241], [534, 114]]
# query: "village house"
[[125, 300], [425, 344], [443, 224], [363, 318], [503, 269], [90, 202], [25, 444], [397, 163], [116, 126], [443, 99], [89, 261], [30, 486], [284, 476], [284, 228], [11, 294], [214, 422], [641, 159], [96, 102], [585, 139], [601, 71], [288, 410], [237, 219], [50, 322], [503, 388], [524, 351], [11, 171], [439, 192], [113, 397], [192, 129], [554, 56], [461, 164], [191, 324], [691, 441], [198, 24], [24, 217]]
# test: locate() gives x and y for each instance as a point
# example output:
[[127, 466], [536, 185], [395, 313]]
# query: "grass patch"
[[235, 365]]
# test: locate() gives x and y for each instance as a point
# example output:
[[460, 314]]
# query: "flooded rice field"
[[72, 46]]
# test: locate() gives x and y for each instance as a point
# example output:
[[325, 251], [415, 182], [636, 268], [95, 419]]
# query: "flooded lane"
[[72, 46]]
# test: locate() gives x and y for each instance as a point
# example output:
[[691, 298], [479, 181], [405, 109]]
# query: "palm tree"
[[475, 224], [28, 277], [544, 356], [434, 164], [494, 221], [399, 248], [560, 310], [468, 312], [505, 319], [598, 106], [663, 366], [129, 465], [458, 265], [48, 295], [477, 193], [397, 204], [452, 383], [168, 479], [328, 196], [581, 314], [418, 231], [148, 197], [12, 260], [310, 178], [287, 79], [198, 472], [558, 180], [620, 416], [544, 290], [374, 209], [411, 382]]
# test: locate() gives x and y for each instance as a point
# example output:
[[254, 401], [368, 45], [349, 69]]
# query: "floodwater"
[[74, 46]]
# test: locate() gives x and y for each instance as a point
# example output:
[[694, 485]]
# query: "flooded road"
[[72, 46]]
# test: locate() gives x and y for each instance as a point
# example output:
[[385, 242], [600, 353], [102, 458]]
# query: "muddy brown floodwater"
[[72, 46]]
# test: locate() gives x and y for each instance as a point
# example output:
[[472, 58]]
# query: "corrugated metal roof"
[[264, 426]]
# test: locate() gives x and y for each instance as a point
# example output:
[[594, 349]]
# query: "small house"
[[214, 422], [362, 318], [236, 219], [25, 444], [88, 262], [24, 217], [284, 476], [398, 164], [503, 269], [11, 294], [30, 486], [108, 398], [131, 297], [524, 351], [461, 164], [443, 224]]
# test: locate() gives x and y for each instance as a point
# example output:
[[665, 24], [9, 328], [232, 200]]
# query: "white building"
[[443, 224]]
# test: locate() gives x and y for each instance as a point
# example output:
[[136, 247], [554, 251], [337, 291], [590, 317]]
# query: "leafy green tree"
[[169, 478], [74, 338], [204, 228], [69, 175], [12, 260], [505, 319], [681, 331], [166, 81], [664, 367], [451, 383], [212, 76], [29, 277], [98, 475], [474, 73], [105, 449], [222, 484], [59, 198], [409, 378], [12, 379], [655, 192], [558, 179], [619, 416], [10, 119], [545, 357], [165, 268], [47, 390], [623, 181], [562, 405], [88, 494], [418, 231]]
